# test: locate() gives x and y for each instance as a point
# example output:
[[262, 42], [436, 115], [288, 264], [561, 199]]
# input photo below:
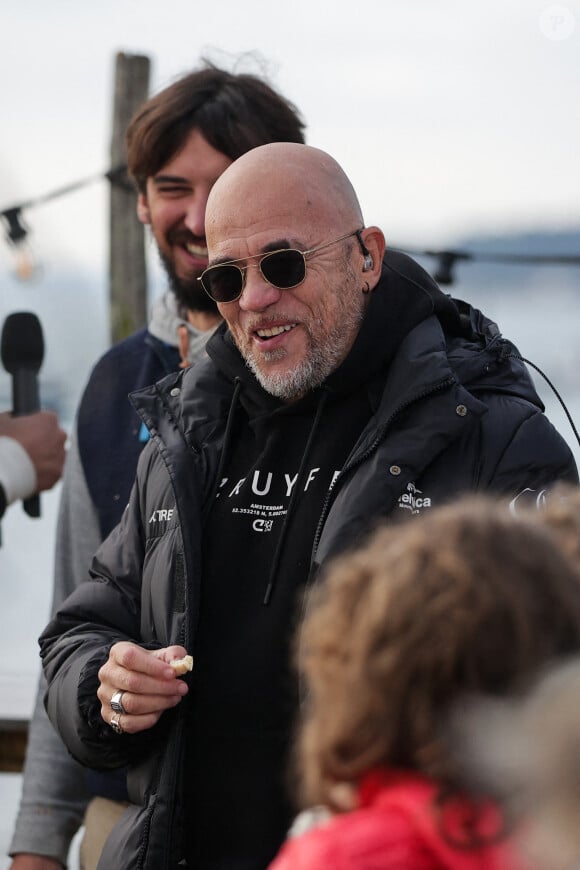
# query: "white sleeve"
[[17, 472]]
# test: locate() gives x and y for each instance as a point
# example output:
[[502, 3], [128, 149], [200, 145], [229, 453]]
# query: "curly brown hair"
[[466, 599]]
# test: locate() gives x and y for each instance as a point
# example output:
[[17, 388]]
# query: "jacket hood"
[[484, 360], [480, 357]]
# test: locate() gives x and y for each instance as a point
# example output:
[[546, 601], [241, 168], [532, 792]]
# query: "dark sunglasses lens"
[[283, 269], [223, 283]]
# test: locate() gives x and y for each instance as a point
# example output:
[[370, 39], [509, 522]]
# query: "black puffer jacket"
[[455, 411]]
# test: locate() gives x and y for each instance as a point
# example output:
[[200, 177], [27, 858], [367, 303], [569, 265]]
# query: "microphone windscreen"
[[22, 345]]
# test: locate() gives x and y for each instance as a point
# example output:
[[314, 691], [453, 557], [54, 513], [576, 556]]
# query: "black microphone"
[[22, 351]]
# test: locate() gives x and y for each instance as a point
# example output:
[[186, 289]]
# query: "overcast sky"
[[449, 116]]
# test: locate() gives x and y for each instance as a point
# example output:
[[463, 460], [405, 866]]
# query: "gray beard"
[[320, 362]]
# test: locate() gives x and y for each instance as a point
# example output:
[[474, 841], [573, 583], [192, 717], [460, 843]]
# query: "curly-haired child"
[[466, 600]]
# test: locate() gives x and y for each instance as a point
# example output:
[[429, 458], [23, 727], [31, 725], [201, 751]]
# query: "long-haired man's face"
[[174, 206]]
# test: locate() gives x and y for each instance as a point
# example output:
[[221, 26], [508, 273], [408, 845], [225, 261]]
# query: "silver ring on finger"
[[117, 702], [115, 723]]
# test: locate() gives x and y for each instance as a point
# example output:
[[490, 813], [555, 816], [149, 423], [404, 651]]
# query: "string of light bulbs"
[[16, 233]]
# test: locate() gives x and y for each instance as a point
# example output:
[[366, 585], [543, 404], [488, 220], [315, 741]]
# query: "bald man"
[[340, 389]]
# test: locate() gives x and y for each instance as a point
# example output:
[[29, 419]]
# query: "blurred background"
[[457, 122]]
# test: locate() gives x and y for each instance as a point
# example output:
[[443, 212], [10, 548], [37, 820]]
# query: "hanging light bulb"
[[25, 265]]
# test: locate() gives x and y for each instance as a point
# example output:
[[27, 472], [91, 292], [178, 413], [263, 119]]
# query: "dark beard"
[[189, 294]]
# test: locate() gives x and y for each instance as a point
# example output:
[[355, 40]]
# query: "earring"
[[367, 288]]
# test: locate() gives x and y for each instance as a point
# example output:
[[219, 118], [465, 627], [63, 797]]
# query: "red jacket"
[[398, 827]]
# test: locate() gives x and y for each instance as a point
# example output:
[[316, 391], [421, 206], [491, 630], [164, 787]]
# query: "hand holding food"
[[138, 685]]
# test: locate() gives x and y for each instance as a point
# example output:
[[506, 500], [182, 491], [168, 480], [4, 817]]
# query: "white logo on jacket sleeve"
[[413, 500], [163, 515], [528, 497]]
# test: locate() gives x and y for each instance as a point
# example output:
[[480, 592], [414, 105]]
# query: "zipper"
[[357, 460], [178, 729], [178, 738]]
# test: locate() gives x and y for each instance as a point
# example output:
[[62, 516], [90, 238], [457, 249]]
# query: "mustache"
[[264, 320], [185, 237]]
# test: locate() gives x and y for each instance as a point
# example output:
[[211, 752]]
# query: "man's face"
[[174, 205], [293, 339]]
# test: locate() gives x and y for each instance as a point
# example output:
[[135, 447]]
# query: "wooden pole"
[[127, 263]]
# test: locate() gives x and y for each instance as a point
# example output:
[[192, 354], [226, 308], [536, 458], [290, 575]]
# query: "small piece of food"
[[182, 666]]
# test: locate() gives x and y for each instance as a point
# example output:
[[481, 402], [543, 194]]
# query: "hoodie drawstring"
[[227, 437], [280, 544]]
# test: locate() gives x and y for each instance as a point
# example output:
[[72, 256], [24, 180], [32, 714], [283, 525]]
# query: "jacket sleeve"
[[98, 613], [533, 455], [78, 536]]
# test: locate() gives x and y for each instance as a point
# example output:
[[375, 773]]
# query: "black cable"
[[114, 175], [550, 384]]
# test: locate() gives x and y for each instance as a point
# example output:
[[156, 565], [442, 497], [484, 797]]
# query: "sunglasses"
[[283, 269]]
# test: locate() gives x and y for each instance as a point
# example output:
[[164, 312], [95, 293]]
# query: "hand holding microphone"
[[36, 431]]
